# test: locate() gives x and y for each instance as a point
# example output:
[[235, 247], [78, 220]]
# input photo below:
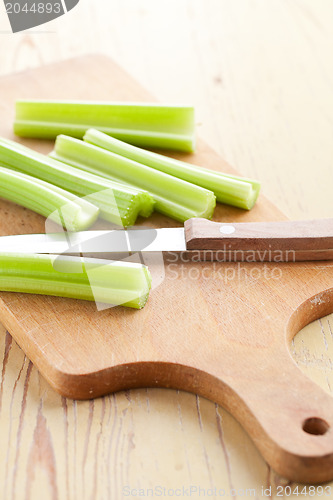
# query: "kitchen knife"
[[201, 239]]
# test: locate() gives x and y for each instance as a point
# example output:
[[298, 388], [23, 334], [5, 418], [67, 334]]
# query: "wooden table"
[[260, 74]]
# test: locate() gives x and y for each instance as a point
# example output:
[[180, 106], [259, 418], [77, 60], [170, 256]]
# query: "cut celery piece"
[[118, 203], [149, 125], [110, 282], [64, 208], [230, 189], [174, 197]]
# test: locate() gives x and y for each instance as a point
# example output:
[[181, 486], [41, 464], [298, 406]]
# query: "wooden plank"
[[197, 315]]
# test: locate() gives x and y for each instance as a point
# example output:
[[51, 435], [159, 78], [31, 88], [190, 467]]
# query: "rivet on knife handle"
[[284, 241]]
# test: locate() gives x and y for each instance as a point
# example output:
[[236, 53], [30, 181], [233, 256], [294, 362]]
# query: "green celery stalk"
[[148, 125], [110, 282], [230, 189], [174, 197], [118, 203], [64, 208]]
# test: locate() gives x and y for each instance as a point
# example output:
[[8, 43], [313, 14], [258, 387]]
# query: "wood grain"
[[225, 46]]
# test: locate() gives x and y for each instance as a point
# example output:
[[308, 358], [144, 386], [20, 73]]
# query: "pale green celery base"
[[234, 190], [174, 197], [173, 210], [124, 214], [145, 206], [148, 138], [110, 283], [113, 198], [62, 207], [246, 204]]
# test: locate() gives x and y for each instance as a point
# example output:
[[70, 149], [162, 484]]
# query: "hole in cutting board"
[[316, 426]]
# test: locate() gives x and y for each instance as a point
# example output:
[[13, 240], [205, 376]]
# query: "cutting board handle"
[[285, 241]]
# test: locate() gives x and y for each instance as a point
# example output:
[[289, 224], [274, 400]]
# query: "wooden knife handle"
[[263, 241]]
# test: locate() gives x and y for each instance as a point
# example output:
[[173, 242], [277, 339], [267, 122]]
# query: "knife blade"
[[284, 241], [97, 242]]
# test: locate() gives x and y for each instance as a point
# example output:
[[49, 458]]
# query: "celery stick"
[[174, 197], [229, 189], [64, 208], [149, 125], [118, 203], [110, 282]]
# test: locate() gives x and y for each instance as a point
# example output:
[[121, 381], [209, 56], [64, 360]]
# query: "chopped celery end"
[[64, 208], [149, 125], [230, 189], [109, 282], [118, 203], [174, 197]]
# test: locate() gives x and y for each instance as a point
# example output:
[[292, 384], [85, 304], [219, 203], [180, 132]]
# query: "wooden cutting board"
[[219, 330]]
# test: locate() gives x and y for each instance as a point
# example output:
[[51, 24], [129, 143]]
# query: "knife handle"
[[284, 241]]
